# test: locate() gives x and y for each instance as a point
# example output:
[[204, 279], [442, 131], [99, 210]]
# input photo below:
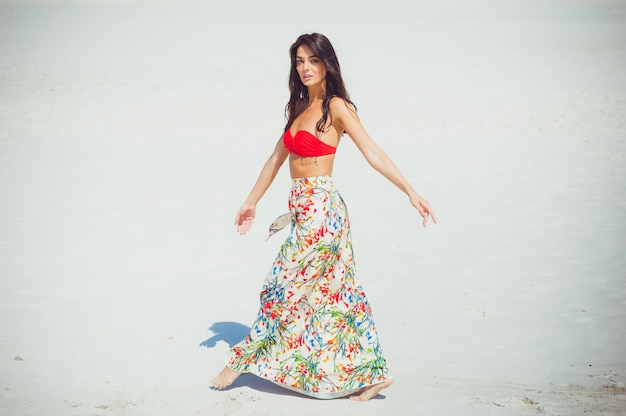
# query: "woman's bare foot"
[[225, 378], [371, 391]]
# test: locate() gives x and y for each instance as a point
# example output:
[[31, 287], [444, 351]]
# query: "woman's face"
[[311, 68]]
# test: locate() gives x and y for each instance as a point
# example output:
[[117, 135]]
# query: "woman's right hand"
[[245, 218]]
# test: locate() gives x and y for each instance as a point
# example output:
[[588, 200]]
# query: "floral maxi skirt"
[[314, 333]]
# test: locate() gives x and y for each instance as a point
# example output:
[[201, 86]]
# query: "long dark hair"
[[299, 95]]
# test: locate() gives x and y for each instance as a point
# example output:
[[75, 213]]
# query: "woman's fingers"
[[245, 225], [426, 211], [244, 218], [432, 214]]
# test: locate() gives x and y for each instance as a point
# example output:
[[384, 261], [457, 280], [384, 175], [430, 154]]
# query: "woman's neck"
[[316, 93]]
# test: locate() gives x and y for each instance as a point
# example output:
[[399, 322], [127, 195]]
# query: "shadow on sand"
[[229, 332]]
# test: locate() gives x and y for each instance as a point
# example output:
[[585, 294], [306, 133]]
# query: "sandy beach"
[[131, 132]]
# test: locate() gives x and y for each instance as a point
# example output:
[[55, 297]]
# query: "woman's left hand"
[[423, 207]]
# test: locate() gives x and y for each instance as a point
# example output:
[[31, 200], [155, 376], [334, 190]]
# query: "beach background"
[[131, 132]]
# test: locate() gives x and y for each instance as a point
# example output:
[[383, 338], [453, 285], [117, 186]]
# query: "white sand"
[[130, 132]]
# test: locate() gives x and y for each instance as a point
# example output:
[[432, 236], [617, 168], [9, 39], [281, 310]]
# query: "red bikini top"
[[306, 145]]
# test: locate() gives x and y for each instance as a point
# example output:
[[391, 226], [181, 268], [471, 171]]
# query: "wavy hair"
[[299, 94]]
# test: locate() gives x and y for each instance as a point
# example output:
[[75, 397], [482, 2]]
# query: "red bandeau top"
[[305, 144]]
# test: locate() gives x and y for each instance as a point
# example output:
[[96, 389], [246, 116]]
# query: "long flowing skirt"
[[314, 333]]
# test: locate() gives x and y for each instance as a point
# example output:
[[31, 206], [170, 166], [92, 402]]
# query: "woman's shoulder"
[[340, 106], [343, 111]]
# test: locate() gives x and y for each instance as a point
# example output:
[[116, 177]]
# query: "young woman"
[[314, 333]]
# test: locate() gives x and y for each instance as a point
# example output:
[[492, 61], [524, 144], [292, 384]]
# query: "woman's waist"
[[310, 166], [313, 180]]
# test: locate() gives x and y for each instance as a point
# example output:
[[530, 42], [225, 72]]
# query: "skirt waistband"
[[312, 181]]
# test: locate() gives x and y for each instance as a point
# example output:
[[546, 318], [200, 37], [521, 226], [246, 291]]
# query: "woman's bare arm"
[[376, 157], [247, 212]]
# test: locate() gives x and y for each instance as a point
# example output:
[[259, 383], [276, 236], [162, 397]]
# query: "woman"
[[314, 332]]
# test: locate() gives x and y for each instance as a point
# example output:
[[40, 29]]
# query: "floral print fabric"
[[314, 332]]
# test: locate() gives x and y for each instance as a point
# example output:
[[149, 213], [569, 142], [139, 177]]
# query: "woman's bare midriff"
[[304, 167]]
